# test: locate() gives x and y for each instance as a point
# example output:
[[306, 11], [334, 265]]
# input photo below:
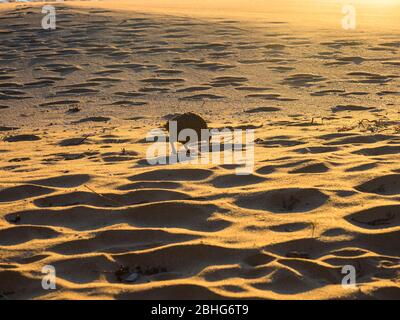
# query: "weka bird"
[[189, 120]]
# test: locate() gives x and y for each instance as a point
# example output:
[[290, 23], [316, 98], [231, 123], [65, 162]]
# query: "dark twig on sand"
[[83, 140], [105, 197]]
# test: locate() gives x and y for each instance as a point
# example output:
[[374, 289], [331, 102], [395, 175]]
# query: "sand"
[[77, 193]]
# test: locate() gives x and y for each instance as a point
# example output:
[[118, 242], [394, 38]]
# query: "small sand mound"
[[22, 137], [380, 217], [22, 192], [284, 200], [386, 185]]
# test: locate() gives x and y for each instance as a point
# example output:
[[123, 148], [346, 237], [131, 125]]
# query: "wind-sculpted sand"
[[76, 191]]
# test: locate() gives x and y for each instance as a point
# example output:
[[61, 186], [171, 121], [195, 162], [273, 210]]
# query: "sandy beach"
[[77, 191]]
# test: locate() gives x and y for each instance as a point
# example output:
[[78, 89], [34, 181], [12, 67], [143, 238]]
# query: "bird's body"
[[191, 121]]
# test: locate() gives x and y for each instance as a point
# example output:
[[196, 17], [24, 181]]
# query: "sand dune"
[[77, 192]]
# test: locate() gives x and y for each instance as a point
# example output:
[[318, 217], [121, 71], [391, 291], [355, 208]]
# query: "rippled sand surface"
[[76, 191]]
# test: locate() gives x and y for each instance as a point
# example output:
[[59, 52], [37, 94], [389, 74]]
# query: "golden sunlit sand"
[[77, 192]]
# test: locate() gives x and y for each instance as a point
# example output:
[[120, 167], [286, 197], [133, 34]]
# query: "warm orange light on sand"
[[82, 196], [374, 15], [358, 2], [381, 2]]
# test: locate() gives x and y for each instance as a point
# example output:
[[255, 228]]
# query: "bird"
[[188, 120]]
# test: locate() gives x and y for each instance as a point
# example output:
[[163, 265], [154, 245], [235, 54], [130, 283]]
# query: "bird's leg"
[[187, 149]]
